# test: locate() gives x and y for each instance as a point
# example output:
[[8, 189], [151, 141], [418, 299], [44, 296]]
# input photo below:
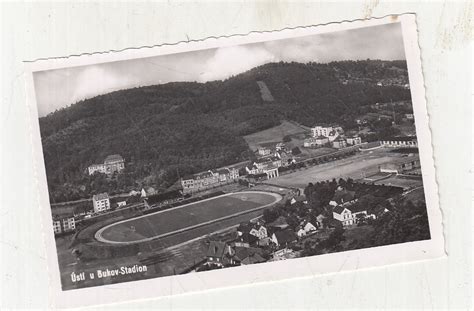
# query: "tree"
[[167, 131], [335, 238], [286, 138], [270, 215], [295, 151]]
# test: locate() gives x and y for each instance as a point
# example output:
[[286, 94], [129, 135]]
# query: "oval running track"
[[185, 217]]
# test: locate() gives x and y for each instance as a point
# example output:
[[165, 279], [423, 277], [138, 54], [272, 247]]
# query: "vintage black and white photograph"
[[231, 156]]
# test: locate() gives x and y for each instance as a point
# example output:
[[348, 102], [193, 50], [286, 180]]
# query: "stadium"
[[186, 217]]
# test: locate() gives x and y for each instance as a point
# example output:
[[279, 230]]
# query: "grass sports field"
[[355, 167], [186, 217]]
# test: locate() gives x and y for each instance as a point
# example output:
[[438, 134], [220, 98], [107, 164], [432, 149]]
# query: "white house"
[[309, 228], [57, 226], [347, 215], [259, 231], [319, 220], [300, 198], [315, 141], [354, 140], [63, 224], [264, 151], [101, 202], [339, 143], [69, 224], [301, 232]]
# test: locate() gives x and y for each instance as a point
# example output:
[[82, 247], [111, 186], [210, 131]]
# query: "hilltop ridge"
[[166, 131]]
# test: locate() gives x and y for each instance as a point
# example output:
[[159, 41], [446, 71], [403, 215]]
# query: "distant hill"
[[166, 131]]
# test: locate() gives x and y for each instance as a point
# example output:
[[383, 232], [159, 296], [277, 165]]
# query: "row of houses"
[[400, 142], [254, 241], [259, 241], [208, 179]]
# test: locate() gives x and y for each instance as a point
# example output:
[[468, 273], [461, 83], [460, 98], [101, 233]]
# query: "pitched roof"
[[216, 249], [339, 209], [188, 177], [249, 255], [242, 253], [342, 196], [285, 236], [320, 216], [223, 171], [113, 158], [356, 208], [100, 196], [248, 238], [253, 258]]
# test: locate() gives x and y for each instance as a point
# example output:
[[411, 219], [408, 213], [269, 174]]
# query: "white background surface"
[[31, 31]]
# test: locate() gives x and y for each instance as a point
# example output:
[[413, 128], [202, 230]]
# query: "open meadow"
[[275, 134]]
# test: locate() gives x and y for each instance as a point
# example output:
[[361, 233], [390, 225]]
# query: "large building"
[[264, 151], [268, 165], [401, 165], [400, 142], [208, 179], [353, 140], [101, 202], [315, 141], [339, 143], [112, 163], [326, 130], [63, 224]]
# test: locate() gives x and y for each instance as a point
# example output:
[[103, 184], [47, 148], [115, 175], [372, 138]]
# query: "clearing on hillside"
[[274, 134]]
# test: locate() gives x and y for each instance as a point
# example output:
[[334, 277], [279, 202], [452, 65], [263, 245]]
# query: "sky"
[[59, 88]]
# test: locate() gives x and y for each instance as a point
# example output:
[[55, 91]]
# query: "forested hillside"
[[166, 131]]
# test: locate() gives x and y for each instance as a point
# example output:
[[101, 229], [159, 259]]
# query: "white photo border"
[[250, 274]]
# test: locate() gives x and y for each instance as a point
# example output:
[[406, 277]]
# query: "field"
[[189, 220], [274, 134], [397, 181], [356, 167]]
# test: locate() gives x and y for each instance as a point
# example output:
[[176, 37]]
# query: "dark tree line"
[[167, 131]]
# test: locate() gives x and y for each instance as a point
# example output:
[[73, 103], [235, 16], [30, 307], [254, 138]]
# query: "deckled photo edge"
[[307, 266]]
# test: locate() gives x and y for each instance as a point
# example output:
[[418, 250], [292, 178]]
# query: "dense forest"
[[166, 131]]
